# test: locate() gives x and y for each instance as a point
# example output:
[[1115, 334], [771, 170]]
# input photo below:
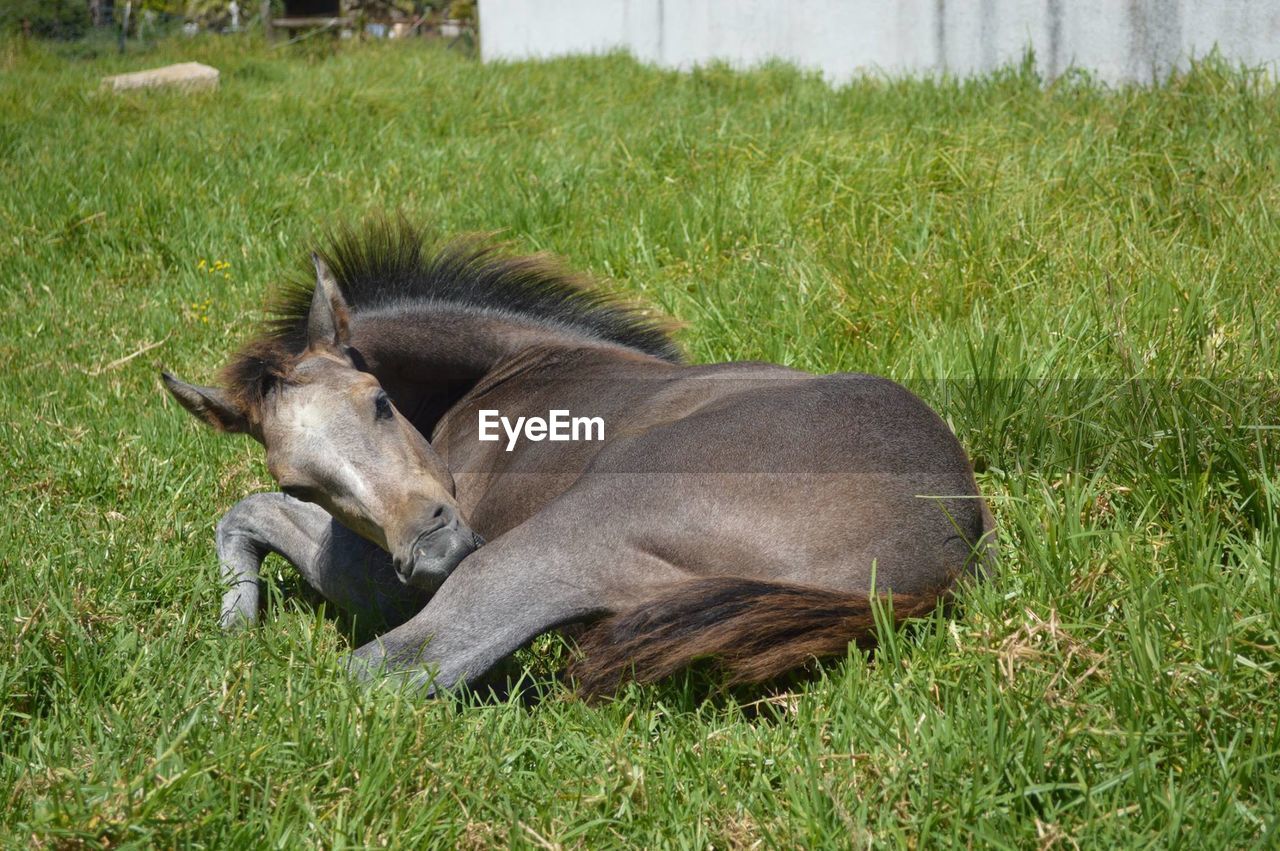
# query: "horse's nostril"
[[438, 513]]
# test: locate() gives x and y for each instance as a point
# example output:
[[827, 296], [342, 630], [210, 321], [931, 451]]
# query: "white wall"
[[1117, 39]]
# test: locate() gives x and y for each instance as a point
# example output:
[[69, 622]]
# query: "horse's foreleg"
[[254, 527], [345, 569]]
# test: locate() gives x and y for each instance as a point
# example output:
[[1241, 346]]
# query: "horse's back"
[[783, 475], [754, 418]]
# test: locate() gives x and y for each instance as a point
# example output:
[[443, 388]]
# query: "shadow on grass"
[[536, 674]]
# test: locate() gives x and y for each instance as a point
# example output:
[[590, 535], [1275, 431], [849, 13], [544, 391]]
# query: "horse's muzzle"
[[436, 553]]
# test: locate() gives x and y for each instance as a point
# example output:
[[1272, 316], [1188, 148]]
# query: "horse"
[[744, 513]]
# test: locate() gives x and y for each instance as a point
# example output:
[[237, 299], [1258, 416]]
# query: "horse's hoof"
[[422, 683], [361, 669], [237, 620], [370, 670]]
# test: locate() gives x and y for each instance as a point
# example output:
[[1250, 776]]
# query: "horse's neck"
[[428, 361]]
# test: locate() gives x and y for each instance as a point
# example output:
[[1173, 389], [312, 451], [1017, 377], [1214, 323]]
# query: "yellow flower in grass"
[[198, 311]]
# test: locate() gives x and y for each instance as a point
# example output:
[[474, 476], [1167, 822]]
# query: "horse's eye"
[[382, 406]]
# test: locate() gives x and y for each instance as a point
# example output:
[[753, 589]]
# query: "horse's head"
[[333, 438]]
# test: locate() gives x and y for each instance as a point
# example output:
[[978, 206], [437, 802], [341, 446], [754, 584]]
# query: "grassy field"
[[1084, 281]]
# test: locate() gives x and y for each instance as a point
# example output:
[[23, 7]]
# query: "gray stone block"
[[191, 76]]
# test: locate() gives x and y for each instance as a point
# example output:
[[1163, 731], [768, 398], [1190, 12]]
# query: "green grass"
[[1084, 281]]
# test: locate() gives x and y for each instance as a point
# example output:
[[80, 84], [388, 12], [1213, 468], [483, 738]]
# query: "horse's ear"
[[327, 323], [210, 404]]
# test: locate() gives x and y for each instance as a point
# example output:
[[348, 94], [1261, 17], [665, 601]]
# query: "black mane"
[[385, 265]]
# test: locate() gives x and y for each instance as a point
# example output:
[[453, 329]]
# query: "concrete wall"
[[1119, 40]]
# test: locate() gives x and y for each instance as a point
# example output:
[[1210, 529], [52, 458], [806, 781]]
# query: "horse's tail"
[[754, 630]]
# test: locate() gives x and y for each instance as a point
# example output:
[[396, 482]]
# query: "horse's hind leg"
[[528, 581], [344, 568]]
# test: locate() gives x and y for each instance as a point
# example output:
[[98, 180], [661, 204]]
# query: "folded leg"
[[350, 572]]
